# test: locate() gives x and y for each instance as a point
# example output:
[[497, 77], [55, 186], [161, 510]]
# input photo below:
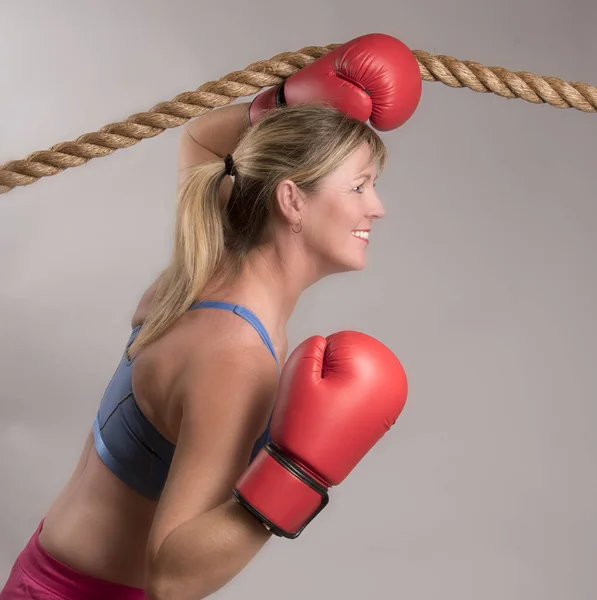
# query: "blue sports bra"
[[128, 443]]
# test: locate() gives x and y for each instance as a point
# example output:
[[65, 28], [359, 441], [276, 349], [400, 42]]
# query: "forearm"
[[211, 137], [204, 554], [220, 130]]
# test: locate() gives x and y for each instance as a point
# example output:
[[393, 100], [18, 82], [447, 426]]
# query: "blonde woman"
[[273, 197]]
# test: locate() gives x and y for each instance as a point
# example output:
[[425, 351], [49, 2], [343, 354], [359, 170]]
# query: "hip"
[[37, 575]]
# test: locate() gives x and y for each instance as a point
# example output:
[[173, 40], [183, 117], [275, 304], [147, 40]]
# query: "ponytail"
[[198, 251]]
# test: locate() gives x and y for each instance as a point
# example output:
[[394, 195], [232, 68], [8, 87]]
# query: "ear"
[[290, 201]]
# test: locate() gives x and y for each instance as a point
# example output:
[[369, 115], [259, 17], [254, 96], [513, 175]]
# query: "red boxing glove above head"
[[372, 78], [336, 398]]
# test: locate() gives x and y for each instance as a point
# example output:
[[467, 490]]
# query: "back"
[[115, 515]]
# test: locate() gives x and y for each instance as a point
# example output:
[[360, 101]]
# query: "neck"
[[270, 283]]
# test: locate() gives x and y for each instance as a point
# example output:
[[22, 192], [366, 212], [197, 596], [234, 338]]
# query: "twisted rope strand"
[[213, 94], [498, 80]]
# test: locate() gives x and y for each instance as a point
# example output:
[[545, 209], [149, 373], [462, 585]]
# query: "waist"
[[99, 526], [47, 571]]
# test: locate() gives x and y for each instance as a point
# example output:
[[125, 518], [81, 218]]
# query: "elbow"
[[159, 588], [162, 588], [163, 582], [167, 586], [160, 584]]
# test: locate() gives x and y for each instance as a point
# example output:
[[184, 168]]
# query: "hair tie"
[[229, 163]]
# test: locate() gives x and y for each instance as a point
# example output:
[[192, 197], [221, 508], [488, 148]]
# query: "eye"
[[359, 188]]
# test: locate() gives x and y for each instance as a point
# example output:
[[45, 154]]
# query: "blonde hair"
[[303, 143]]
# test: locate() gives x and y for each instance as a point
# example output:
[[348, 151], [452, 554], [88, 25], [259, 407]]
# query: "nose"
[[376, 209]]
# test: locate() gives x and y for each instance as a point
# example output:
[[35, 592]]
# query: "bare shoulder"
[[223, 341], [206, 347]]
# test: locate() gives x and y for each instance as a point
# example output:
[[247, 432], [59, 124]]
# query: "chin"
[[344, 263], [359, 262], [354, 265]]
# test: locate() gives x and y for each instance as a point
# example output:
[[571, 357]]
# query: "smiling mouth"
[[361, 234]]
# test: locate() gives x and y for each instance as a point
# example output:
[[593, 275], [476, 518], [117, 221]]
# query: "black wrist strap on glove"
[[280, 98], [278, 455]]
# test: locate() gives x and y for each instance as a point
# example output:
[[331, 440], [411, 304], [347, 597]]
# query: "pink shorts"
[[38, 576]]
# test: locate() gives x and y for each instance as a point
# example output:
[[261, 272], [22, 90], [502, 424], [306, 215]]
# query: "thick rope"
[[166, 115]]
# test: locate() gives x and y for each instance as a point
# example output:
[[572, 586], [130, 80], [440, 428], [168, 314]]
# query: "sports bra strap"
[[244, 313]]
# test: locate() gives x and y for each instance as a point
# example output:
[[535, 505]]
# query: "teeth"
[[361, 234]]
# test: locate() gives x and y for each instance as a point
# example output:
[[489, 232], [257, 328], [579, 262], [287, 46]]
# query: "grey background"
[[481, 278]]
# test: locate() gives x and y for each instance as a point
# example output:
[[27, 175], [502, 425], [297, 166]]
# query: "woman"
[[270, 201]]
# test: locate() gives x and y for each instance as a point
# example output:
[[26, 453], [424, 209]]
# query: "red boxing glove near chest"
[[336, 398], [374, 77]]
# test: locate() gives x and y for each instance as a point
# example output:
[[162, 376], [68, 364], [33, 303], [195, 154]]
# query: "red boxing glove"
[[336, 398], [373, 77]]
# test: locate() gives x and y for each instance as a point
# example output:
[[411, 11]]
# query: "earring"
[[300, 227]]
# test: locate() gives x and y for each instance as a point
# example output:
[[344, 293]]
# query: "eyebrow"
[[366, 176]]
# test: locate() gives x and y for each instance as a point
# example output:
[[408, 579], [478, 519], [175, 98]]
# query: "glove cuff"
[[260, 105], [279, 493]]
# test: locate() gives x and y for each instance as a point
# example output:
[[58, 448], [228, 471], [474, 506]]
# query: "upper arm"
[[211, 136], [227, 396], [144, 305]]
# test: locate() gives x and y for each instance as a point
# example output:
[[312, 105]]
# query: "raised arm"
[[205, 138], [211, 137]]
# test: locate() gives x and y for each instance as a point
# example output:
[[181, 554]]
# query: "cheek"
[[338, 214], [330, 221], [328, 226]]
